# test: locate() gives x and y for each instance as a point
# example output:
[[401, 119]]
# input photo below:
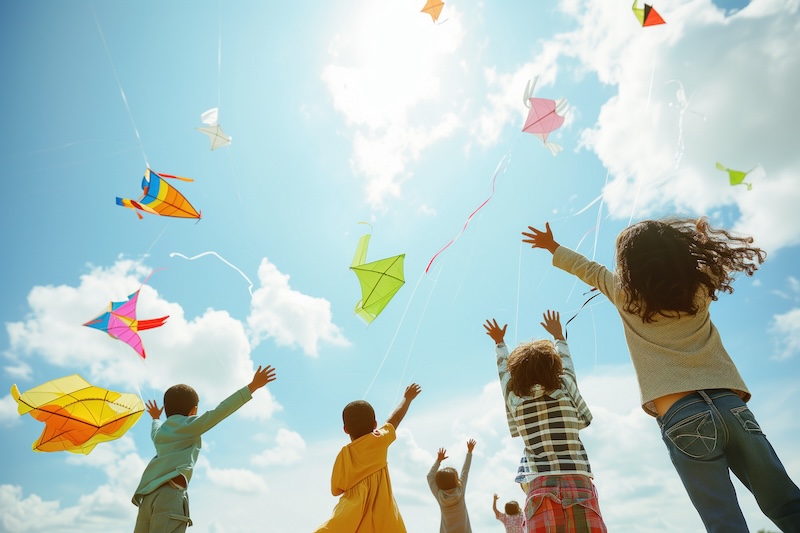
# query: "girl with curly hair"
[[668, 273]]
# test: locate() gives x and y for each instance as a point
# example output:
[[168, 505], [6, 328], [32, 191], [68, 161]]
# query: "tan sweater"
[[671, 354]]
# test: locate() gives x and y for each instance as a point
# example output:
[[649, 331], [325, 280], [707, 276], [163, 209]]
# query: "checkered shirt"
[[548, 422]]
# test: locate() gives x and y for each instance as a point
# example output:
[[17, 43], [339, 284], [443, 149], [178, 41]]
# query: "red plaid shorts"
[[563, 504]]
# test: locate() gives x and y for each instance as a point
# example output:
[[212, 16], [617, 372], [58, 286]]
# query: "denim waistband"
[[693, 397]]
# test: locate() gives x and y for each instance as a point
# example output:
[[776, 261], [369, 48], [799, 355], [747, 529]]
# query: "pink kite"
[[544, 117], [120, 322]]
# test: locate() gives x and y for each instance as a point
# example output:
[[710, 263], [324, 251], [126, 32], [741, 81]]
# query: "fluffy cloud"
[[289, 449], [384, 67], [290, 317], [786, 329]]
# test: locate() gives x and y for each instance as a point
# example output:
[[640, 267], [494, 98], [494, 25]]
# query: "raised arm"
[[261, 378], [467, 463], [431, 477], [412, 391], [494, 507], [552, 324]]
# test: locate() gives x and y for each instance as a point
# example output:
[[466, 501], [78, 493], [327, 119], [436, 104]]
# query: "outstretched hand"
[[442, 455], [552, 323], [412, 391], [261, 378], [495, 331], [541, 239], [152, 408], [471, 445]]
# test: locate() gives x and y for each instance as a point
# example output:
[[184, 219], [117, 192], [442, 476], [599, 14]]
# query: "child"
[[449, 490], [360, 473], [161, 496], [668, 272], [512, 518], [546, 408]]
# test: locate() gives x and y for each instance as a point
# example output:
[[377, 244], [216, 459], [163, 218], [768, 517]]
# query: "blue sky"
[[366, 111]]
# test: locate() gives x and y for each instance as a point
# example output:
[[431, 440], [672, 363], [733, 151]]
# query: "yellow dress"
[[361, 476]]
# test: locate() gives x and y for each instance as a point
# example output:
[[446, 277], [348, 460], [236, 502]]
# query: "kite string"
[[119, 84], [641, 130], [402, 318]]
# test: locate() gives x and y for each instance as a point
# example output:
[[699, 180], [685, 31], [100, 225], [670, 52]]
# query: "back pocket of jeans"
[[696, 436], [747, 419]]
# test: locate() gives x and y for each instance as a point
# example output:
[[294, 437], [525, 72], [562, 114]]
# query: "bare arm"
[[412, 391], [494, 507]]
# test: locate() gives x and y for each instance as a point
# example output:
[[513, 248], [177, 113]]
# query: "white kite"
[[211, 119]]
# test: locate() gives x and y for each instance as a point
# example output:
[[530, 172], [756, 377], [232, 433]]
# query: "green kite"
[[380, 280], [737, 176]]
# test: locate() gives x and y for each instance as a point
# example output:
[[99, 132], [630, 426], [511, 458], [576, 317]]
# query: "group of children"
[[668, 272]]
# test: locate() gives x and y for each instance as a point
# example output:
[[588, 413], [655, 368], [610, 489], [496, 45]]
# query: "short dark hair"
[[447, 478], [358, 418], [534, 363], [512, 508], [179, 400]]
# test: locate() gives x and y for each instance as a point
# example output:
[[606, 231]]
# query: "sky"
[[352, 111]]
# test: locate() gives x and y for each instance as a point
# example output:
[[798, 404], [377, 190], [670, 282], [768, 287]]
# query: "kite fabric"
[[380, 280], [647, 16], [433, 8], [214, 131], [736, 177], [159, 198], [119, 321], [544, 116], [77, 415]]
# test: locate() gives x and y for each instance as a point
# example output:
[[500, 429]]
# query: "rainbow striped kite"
[[160, 198]]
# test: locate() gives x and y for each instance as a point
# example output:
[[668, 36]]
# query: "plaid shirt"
[[548, 422]]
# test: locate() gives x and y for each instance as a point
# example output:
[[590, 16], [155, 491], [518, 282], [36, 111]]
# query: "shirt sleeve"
[[570, 383], [465, 471], [432, 477], [197, 425], [501, 351], [588, 271]]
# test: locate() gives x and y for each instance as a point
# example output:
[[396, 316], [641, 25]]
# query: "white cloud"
[[385, 66], [289, 449], [786, 332], [290, 317], [239, 480], [8, 411]]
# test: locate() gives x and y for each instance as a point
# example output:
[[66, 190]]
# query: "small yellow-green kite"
[[737, 176], [380, 280]]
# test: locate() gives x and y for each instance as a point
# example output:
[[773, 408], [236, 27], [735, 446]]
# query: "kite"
[[77, 416], [160, 198], [544, 116], [119, 321], [737, 176], [433, 8], [214, 131], [647, 16], [380, 280]]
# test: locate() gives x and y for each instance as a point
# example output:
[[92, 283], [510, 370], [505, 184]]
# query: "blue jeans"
[[709, 432]]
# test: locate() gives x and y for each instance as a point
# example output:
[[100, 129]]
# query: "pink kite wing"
[[544, 117]]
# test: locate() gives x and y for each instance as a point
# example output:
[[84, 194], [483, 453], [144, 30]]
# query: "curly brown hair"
[[663, 264], [534, 363]]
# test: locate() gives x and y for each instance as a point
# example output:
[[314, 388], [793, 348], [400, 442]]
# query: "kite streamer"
[[250, 283], [504, 164]]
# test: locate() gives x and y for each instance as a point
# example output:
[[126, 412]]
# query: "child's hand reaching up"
[[412, 391], [442, 455], [541, 239], [552, 323], [261, 378], [471, 445], [152, 408], [494, 331]]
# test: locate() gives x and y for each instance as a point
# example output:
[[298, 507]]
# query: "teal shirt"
[[178, 443]]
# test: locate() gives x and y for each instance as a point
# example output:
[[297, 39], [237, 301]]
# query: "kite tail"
[[170, 176], [151, 323], [505, 160], [554, 148]]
